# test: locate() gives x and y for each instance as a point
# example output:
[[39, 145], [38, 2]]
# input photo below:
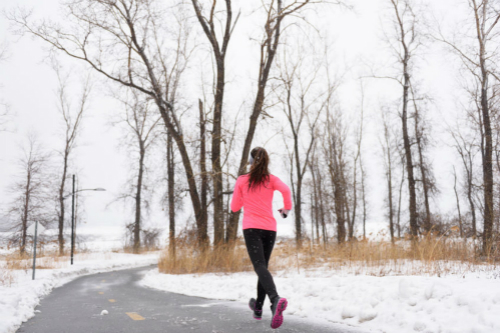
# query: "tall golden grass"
[[189, 259], [434, 256], [14, 262]]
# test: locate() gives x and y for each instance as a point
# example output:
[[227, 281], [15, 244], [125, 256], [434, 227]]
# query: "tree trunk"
[[350, 226], [315, 202], [399, 198], [25, 215], [339, 213], [203, 162], [404, 33], [354, 201], [201, 218], [487, 170], [389, 188], [408, 154], [216, 156], [487, 149], [298, 194], [458, 204], [423, 172], [321, 209], [339, 199], [363, 191], [471, 198], [171, 195], [138, 200], [60, 236]]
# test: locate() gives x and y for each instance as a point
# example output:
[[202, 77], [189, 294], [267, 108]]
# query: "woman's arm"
[[285, 191], [237, 199]]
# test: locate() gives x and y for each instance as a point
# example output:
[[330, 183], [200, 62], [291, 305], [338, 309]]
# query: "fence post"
[[34, 250]]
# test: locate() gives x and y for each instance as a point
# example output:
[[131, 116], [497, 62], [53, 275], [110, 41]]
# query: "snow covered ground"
[[18, 301], [469, 303]]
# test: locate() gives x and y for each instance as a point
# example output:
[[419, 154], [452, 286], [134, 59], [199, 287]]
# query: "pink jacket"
[[257, 203]]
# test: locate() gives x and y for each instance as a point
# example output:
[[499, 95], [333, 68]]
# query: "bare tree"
[[358, 162], [141, 122], [172, 198], [335, 152], [422, 141], [219, 48], [29, 191], [72, 119], [388, 152], [467, 150], [480, 60], [319, 204], [276, 12], [122, 40], [302, 101], [405, 42]]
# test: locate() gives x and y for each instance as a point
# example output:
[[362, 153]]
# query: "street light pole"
[[73, 213], [73, 221]]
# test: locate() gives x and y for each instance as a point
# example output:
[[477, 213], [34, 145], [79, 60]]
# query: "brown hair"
[[259, 171]]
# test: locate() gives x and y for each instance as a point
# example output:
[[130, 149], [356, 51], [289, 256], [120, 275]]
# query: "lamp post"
[[73, 214]]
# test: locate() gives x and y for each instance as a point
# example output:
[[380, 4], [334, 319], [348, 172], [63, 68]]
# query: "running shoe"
[[257, 314], [277, 308]]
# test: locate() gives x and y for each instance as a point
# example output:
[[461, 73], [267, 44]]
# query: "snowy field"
[[18, 301], [467, 303]]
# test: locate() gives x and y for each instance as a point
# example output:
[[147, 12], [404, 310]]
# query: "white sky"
[[28, 85]]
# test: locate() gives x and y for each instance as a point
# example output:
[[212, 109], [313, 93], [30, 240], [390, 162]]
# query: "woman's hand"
[[284, 212]]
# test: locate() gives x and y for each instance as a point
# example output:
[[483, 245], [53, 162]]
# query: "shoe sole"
[[256, 318], [278, 316]]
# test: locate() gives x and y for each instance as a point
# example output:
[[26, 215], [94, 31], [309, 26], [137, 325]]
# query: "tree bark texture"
[[138, 200], [171, 196]]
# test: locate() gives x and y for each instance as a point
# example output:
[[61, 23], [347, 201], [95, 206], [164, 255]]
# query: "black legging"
[[260, 245]]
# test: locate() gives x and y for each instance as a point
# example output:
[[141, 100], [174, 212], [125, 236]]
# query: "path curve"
[[76, 307]]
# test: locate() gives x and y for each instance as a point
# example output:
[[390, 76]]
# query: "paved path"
[[76, 308]]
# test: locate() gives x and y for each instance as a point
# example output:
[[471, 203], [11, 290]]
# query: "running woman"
[[254, 192]]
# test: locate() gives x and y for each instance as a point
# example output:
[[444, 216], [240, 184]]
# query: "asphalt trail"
[[76, 308]]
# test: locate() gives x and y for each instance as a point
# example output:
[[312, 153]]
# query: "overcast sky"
[[28, 85]]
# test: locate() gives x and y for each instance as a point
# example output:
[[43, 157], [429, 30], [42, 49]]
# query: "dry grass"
[[189, 260], [7, 277], [11, 263], [14, 262], [130, 250], [432, 256]]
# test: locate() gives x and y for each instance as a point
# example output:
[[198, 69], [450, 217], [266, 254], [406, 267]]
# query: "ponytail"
[[259, 171]]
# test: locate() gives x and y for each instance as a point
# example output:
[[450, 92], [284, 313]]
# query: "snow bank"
[[17, 302], [389, 304]]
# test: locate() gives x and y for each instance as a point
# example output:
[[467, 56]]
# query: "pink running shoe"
[[277, 308]]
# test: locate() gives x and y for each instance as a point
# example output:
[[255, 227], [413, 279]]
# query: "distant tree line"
[[145, 49]]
